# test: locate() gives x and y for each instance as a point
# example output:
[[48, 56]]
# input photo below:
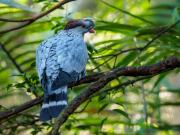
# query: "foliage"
[[122, 27]]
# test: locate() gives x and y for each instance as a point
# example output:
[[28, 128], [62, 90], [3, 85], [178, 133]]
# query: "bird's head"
[[83, 25]]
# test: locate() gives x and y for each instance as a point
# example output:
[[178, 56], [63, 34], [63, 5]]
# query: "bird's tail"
[[54, 103]]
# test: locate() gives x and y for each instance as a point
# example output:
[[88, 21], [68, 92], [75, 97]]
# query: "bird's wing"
[[42, 54]]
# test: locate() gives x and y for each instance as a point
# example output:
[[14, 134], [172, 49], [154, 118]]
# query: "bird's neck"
[[71, 33], [76, 31]]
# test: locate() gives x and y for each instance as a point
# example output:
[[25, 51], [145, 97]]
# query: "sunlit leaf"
[[122, 113]]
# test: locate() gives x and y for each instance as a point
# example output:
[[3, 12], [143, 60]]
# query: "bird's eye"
[[84, 26]]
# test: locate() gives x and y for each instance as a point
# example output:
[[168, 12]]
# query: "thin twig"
[[160, 34], [118, 53], [80, 111], [31, 20], [12, 20], [141, 48], [145, 115], [103, 63], [122, 85]]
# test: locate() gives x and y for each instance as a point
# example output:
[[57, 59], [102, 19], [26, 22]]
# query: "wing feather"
[[62, 59]]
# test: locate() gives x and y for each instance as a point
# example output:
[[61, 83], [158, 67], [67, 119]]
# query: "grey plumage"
[[60, 60]]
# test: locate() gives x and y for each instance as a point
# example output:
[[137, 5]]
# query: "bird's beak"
[[92, 30]]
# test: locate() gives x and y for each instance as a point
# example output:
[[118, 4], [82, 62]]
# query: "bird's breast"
[[72, 54]]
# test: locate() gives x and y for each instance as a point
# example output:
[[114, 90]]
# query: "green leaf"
[[103, 121], [160, 78], [128, 13], [91, 48], [116, 27], [9, 86], [20, 85], [126, 60], [122, 113], [102, 107]]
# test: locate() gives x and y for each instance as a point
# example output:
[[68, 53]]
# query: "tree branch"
[[38, 100], [31, 20], [21, 108], [155, 69], [104, 78]]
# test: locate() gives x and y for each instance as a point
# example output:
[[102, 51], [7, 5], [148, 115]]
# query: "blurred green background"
[[149, 107]]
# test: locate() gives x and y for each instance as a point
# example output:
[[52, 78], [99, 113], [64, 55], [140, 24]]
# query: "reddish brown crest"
[[71, 24]]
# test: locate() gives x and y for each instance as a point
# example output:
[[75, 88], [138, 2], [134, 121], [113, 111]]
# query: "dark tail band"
[[54, 104]]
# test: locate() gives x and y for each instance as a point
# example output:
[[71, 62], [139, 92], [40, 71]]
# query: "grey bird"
[[61, 60]]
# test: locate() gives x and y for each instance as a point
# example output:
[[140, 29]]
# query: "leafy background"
[[147, 107]]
